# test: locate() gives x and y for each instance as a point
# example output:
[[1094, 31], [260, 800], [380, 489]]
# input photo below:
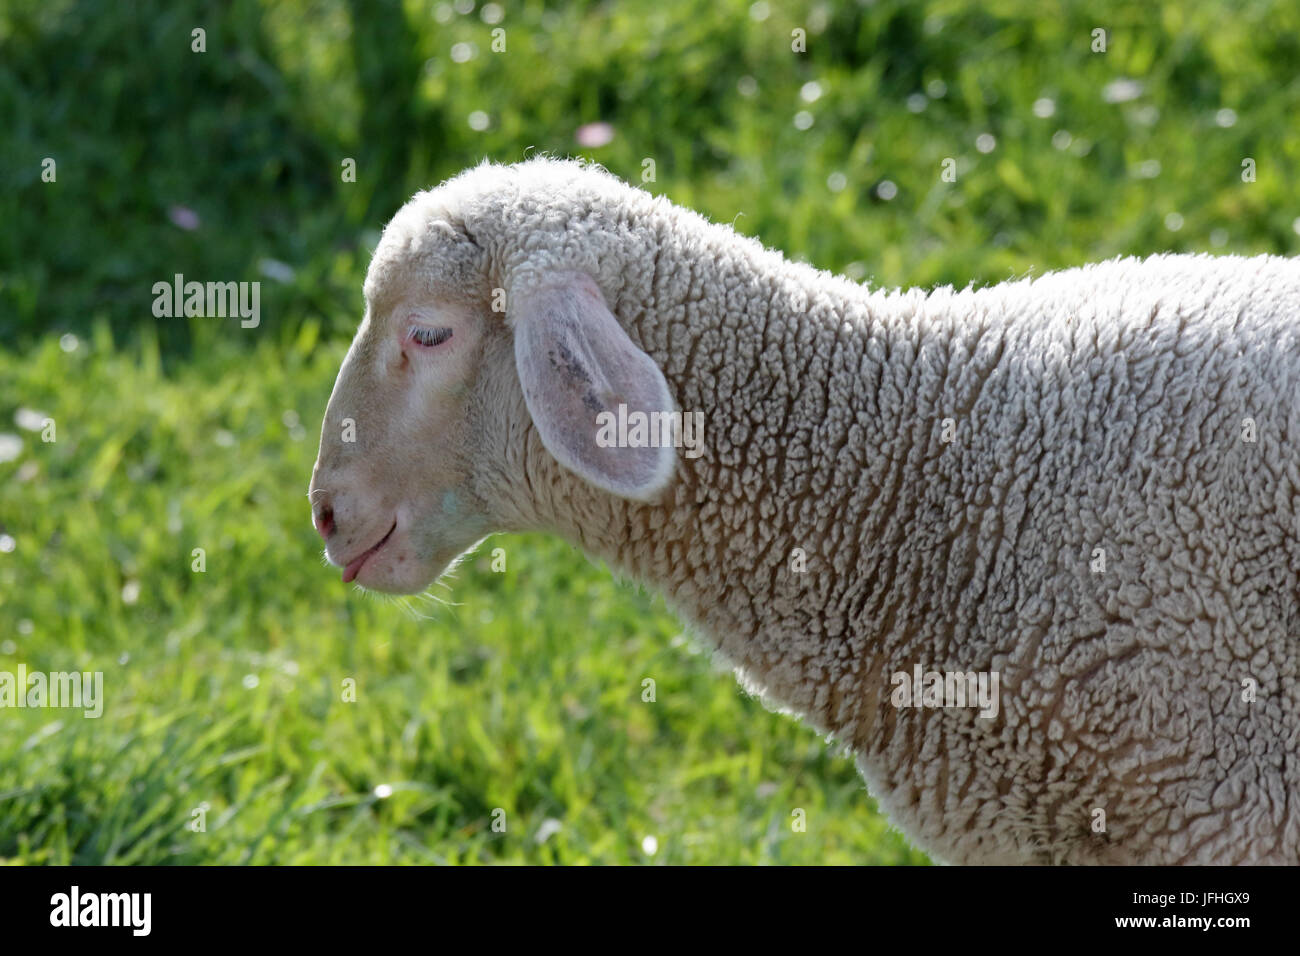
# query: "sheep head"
[[487, 346]]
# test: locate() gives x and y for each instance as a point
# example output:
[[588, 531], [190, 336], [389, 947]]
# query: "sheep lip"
[[354, 566]]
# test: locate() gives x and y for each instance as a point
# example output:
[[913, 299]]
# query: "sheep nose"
[[323, 518]]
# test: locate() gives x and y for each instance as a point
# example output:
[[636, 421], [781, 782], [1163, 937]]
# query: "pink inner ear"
[[575, 362]]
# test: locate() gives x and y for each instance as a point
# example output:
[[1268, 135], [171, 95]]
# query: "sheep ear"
[[576, 364]]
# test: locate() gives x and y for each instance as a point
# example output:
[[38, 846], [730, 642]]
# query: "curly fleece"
[[1084, 482]]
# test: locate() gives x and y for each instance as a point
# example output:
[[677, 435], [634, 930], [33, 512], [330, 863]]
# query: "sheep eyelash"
[[427, 337]]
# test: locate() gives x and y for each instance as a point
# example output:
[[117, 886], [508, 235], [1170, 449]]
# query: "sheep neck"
[[752, 543]]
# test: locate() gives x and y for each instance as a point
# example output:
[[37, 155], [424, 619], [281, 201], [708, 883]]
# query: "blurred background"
[[256, 710]]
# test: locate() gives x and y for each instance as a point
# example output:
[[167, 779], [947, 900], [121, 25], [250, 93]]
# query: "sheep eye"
[[428, 337]]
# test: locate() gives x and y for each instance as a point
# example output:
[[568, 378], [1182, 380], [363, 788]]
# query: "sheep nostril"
[[324, 521]]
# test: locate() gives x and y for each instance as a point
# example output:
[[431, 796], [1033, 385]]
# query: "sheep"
[[1072, 496]]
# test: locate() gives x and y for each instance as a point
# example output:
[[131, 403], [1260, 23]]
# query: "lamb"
[[1073, 495]]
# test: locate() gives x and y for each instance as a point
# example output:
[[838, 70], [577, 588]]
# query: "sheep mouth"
[[354, 566]]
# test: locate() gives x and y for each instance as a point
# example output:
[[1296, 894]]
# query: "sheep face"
[[450, 415], [395, 492]]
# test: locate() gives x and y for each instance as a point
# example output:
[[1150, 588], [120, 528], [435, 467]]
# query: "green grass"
[[225, 687]]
